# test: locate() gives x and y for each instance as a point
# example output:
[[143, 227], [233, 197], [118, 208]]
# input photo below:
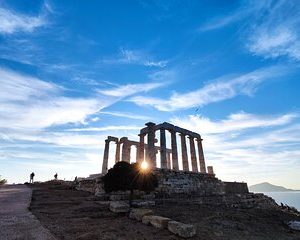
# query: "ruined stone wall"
[[235, 187], [178, 184], [190, 184], [187, 184], [87, 185]]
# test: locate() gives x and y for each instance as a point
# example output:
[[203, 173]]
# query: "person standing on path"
[[55, 176], [31, 177]]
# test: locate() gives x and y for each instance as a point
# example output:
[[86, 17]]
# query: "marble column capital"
[[171, 130]]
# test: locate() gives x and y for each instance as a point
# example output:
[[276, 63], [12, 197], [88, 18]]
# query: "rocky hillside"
[[268, 187]]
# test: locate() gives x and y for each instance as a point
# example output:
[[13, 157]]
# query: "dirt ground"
[[71, 214]]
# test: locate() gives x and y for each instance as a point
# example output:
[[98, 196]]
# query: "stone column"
[[210, 170], [193, 154], [201, 156], [168, 160], [137, 157], [126, 150], [117, 157], [105, 156], [185, 163], [141, 147], [163, 149], [151, 152], [174, 150]]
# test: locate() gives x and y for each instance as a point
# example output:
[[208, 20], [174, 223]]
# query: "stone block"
[[139, 213], [146, 219], [102, 197], [119, 206], [141, 203], [148, 197], [103, 203], [182, 229], [119, 197], [156, 221], [295, 225]]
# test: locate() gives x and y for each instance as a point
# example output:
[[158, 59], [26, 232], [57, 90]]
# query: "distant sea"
[[290, 198]]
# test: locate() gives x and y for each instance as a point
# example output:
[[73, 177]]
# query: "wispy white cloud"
[[17, 87], [270, 28], [245, 10], [222, 21], [218, 90], [234, 122], [103, 129], [130, 89], [126, 115], [138, 57], [12, 22], [29, 102], [277, 32]]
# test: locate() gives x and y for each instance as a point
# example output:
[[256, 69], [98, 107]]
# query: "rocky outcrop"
[[182, 229]]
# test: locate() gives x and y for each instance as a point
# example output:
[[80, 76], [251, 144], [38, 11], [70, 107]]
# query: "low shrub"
[[2, 181], [125, 176]]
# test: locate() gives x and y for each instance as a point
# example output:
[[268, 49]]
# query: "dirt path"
[[71, 214], [16, 221]]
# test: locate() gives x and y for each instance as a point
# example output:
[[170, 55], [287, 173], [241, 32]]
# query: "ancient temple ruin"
[[168, 156], [181, 173]]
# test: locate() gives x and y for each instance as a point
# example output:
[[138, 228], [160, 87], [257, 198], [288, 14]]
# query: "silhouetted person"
[[55, 176], [75, 179], [31, 177]]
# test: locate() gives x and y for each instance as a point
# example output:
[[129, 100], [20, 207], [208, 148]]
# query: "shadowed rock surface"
[[71, 214]]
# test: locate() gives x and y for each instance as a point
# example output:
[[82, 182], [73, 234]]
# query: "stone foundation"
[[190, 184], [189, 187], [235, 187], [173, 184]]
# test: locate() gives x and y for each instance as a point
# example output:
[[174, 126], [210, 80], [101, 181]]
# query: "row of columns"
[[151, 155], [148, 151], [125, 154]]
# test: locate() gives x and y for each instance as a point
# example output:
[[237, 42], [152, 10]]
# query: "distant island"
[[268, 187]]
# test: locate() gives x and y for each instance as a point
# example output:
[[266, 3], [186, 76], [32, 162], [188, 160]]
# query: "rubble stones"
[[119, 206], [142, 203], [119, 196], [182, 229], [139, 213], [295, 225], [146, 219], [156, 221]]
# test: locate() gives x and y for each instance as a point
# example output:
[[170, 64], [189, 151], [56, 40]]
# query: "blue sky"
[[73, 72]]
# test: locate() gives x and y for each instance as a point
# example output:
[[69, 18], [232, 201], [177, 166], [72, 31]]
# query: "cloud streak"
[[277, 32], [12, 22], [30, 103], [270, 29], [137, 57], [217, 90], [130, 89]]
